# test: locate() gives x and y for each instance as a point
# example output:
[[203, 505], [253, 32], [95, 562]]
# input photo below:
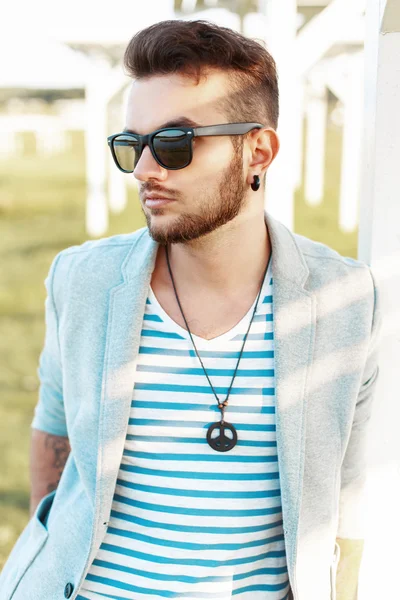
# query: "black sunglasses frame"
[[191, 132]]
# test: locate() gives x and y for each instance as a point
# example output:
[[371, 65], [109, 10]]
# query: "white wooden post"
[[117, 181], [117, 191], [351, 150], [316, 110], [188, 6], [299, 103], [8, 144], [50, 140], [260, 27], [96, 158], [343, 75], [334, 23], [102, 86], [130, 181], [281, 177], [379, 245]]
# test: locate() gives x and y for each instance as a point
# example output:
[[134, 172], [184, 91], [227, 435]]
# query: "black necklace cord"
[[224, 404]]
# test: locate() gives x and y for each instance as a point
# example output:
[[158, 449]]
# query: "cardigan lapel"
[[294, 329], [127, 307]]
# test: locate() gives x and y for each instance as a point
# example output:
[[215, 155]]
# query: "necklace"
[[221, 442]]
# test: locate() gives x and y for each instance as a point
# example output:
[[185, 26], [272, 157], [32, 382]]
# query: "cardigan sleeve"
[[354, 467], [49, 414], [351, 528]]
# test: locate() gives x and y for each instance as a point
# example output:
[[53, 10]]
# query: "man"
[[206, 381]]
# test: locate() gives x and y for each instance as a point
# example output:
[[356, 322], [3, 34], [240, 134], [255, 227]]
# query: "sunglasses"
[[171, 147]]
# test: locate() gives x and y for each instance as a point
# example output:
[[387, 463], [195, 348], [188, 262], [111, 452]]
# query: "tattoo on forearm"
[[61, 450]]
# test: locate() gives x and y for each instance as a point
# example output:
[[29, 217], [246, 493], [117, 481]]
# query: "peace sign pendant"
[[222, 442]]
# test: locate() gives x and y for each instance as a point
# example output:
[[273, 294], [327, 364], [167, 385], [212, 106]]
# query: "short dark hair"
[[192, 47]]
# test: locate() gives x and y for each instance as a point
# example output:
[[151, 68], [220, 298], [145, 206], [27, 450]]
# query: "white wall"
[[379, 245]]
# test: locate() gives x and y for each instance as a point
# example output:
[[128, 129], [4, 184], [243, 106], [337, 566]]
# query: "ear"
[[262, 148]]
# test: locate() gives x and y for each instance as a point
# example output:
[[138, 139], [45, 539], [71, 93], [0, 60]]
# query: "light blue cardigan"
[[326, 324]]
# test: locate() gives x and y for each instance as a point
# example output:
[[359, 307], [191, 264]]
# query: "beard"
[[217, 208]]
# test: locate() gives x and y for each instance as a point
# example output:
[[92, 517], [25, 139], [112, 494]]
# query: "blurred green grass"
[[42, 211]]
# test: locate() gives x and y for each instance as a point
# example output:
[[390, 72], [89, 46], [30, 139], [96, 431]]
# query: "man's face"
[[209, 192]]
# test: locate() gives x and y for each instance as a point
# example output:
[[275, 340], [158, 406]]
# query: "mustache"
[[159, 190]]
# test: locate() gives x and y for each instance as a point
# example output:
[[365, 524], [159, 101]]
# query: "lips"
[[154, 201]]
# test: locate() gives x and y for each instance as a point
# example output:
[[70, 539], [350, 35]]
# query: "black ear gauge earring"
[[256, 183]]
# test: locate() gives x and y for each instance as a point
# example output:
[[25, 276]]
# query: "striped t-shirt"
[[188, 521]]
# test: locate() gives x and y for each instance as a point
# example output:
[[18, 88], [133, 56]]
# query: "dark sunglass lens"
[[172, 148], [126, 148]]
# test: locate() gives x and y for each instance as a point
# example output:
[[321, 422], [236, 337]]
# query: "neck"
[[230, 259]]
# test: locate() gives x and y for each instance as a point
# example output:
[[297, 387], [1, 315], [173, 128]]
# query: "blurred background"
[[62, 91]]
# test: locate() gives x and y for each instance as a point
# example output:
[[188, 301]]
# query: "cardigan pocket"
[[29, 545], [334, 567]]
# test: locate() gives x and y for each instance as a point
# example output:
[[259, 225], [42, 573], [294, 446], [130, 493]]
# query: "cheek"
[[209, 160], [212, 154]]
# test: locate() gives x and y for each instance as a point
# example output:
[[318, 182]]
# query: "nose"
[[148, 168]]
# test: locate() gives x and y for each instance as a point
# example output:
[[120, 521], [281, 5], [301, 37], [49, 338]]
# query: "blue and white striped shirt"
[[188, 521]]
